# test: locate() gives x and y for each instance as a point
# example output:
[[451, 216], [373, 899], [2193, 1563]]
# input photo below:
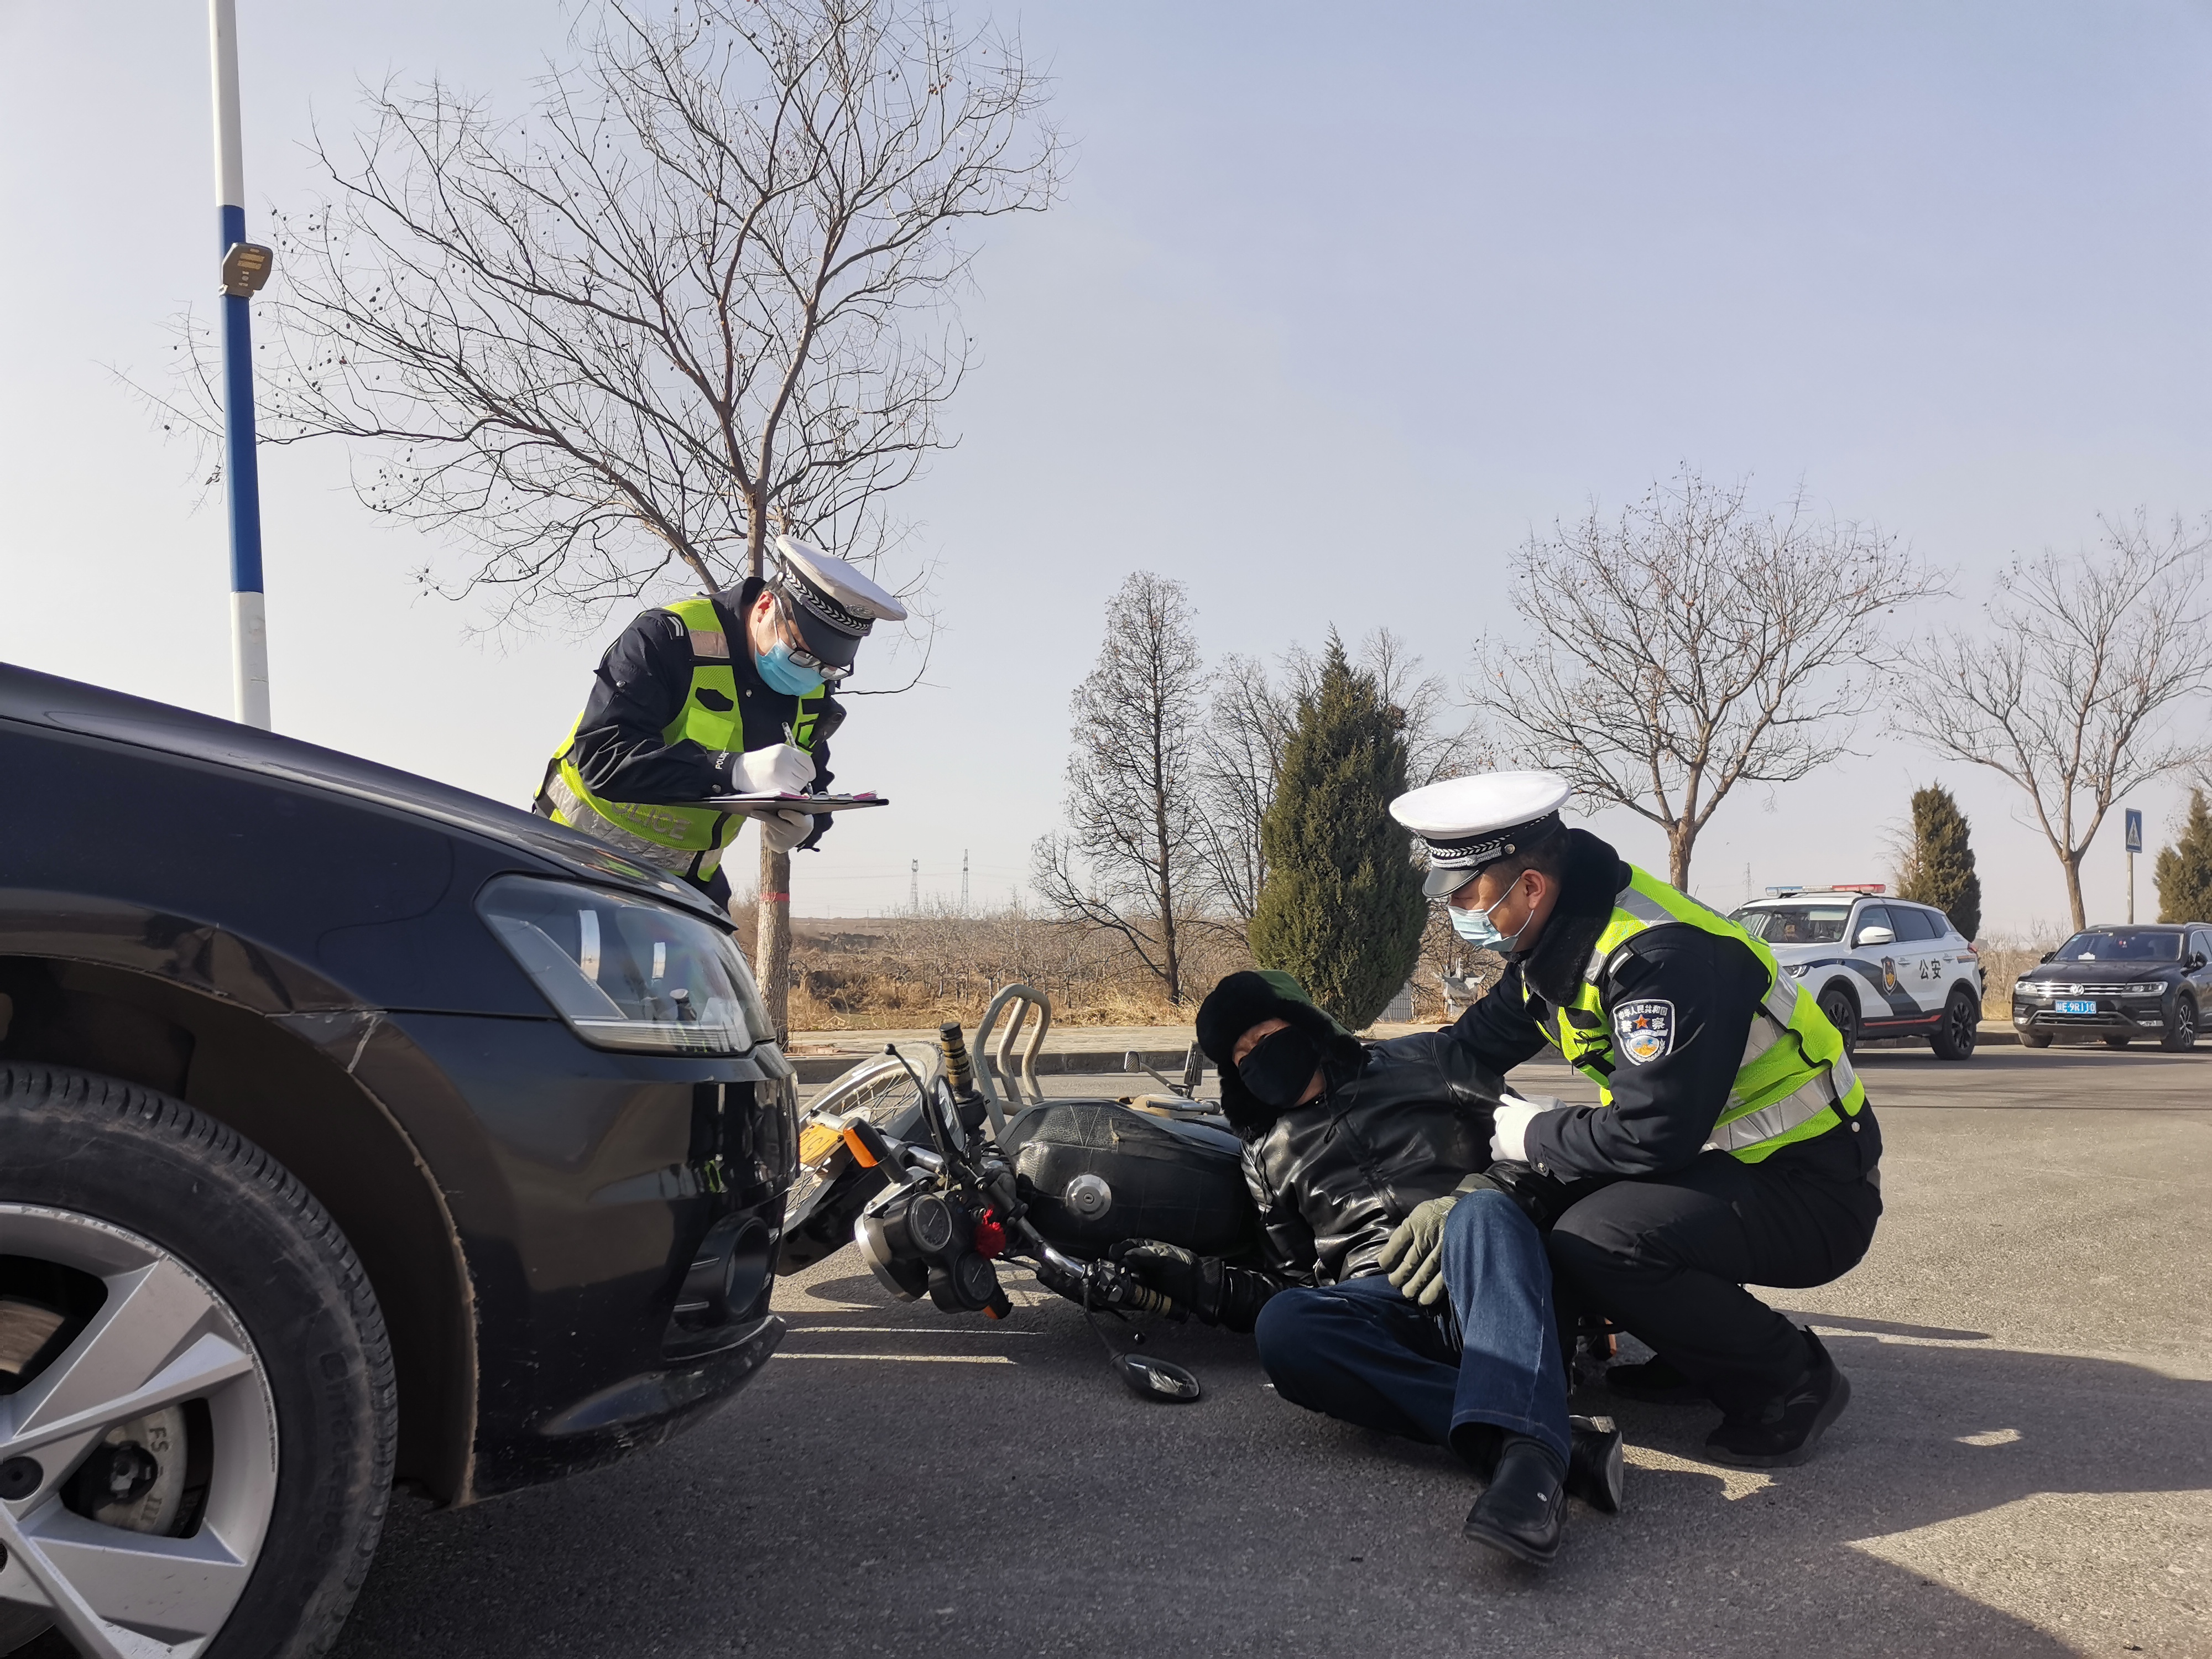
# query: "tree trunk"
[[2073, 866], [1680, 839], [772, 941]]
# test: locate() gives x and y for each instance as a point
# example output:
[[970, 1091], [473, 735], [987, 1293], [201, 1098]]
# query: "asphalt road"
[[2023, 1470]]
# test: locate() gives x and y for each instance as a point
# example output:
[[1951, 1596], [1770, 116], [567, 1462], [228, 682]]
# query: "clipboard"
[[768, 801]]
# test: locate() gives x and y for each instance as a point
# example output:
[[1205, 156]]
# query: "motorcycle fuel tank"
[[1093, 1172]]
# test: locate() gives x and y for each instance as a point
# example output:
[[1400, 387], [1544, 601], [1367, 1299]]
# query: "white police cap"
[[835, 604], [1467, 823]]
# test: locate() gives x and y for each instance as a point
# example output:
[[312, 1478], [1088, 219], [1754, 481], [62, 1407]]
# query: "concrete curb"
[[1117, 1062], [1065, 1062]]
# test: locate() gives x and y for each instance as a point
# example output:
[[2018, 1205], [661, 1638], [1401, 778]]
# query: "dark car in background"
[[353, 1129], [2119, 983]]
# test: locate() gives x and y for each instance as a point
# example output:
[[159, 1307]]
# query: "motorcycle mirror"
[[1156, 1379]]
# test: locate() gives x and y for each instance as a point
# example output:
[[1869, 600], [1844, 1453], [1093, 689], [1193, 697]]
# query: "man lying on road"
[[1364, 1156]]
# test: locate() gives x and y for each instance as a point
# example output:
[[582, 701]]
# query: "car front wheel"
[[1842, 1009], [1961, 1027], [2181, 1030], [2034, 1039], [197, 1449]]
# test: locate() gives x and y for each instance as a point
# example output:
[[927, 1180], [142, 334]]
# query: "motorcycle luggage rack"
[[1016, 1078]]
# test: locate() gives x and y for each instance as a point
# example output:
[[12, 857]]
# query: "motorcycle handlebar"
[[1097, 1283]]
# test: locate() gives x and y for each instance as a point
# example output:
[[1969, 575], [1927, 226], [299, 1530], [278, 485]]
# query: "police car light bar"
[[1785, 892], [1860, 887]]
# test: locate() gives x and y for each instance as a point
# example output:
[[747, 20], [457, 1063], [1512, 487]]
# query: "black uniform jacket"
[[1702, 989], [1400, 1122], [639, 688]]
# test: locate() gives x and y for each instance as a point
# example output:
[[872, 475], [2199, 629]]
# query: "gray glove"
[[781, 831], [1413, 1256]]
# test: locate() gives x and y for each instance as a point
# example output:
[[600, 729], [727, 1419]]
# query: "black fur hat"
[[1245, 1000]]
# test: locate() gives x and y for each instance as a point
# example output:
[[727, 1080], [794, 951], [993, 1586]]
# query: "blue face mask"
[[1474, 926], [783, 675]]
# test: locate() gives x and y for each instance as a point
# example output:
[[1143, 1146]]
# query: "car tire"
[[2181, 1030], [2117, 1042], [1842, 1009], [201, 1275], [2034, 1039], [1960, 1028]]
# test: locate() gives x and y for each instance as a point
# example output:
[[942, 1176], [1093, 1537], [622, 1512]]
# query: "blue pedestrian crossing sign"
[[2134, 831]]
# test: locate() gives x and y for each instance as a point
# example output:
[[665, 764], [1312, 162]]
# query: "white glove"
[[1509, 1130], [781, 831], [782, 768]]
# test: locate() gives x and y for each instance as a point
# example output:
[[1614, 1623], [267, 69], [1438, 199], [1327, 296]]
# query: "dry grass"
[[895, 971], [2005, 957]]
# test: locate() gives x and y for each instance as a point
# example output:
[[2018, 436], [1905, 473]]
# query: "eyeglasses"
[[796, 640]]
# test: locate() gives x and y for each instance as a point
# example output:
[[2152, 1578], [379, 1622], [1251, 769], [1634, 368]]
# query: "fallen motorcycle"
[[937, 1183]]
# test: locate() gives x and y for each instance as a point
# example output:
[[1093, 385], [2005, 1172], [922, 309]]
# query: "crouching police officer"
[[720, 694], [1734, 1145]]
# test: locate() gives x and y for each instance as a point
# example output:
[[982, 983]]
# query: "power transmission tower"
[[963, 881], [914, 887]]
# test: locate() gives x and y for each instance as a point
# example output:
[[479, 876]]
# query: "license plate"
[[817, 1141], [2077, 1006]]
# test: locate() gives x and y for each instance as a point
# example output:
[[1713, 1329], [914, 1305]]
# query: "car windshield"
[[1795, 924], [2121, 944]]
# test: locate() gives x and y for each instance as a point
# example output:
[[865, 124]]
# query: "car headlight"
[[625, 972], [1797, 969], [2146, 991]]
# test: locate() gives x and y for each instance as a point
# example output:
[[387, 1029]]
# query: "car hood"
[[1834, 950], [34, 699], [2100, 973]]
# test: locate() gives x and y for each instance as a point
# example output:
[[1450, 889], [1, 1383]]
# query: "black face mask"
[[1279, 1067]]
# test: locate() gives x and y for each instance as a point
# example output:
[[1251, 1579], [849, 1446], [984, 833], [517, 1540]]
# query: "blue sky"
[[1340, 304]]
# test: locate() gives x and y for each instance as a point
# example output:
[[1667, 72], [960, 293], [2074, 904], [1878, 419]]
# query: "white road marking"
[[908, 1358], [906, 1330]]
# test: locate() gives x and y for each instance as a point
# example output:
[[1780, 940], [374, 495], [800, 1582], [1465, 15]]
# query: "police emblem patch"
[[1645, 1029]]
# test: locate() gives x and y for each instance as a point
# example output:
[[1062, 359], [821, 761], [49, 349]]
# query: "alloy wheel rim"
[[162, 1340]]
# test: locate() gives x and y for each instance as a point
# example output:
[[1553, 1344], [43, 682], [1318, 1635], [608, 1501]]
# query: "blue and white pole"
[[244, 268]]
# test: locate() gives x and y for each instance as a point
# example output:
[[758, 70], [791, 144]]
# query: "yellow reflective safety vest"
[[1795, 1081], [689, 840]]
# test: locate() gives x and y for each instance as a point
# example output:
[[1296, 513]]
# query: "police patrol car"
[[1879, 967]]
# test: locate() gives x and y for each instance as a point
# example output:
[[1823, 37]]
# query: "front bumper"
[[620, 1215], [2114, 1016]]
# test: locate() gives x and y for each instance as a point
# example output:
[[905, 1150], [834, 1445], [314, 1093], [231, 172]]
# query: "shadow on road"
[[873, 1504]]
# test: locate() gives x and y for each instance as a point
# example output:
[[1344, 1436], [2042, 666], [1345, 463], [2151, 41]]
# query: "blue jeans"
[[1361, 1352]]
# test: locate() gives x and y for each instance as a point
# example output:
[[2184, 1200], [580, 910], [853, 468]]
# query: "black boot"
[[1655, 1382], [1785, 1430], [1595, 1468], [1522, 1512]]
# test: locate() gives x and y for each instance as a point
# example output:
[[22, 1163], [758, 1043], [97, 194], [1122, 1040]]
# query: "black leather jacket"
[[1398, 1126]]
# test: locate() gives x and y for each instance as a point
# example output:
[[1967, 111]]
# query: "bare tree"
[[1130, 860], [1693, 646], [2069, 689], [1240, 756], [700, 293], [1241, 750]]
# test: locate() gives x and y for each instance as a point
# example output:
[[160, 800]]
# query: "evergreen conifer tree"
[[2185, 870], [1341, 909], [1939, 869]]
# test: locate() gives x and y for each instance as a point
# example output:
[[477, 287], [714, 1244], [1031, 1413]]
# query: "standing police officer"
[[1735, 1144], [717, 695]]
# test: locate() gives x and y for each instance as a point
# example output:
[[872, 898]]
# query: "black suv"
[[2119, 983], [353, 1129]]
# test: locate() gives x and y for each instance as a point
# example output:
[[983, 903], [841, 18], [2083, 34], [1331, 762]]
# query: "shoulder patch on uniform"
[[1645, 1029]]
